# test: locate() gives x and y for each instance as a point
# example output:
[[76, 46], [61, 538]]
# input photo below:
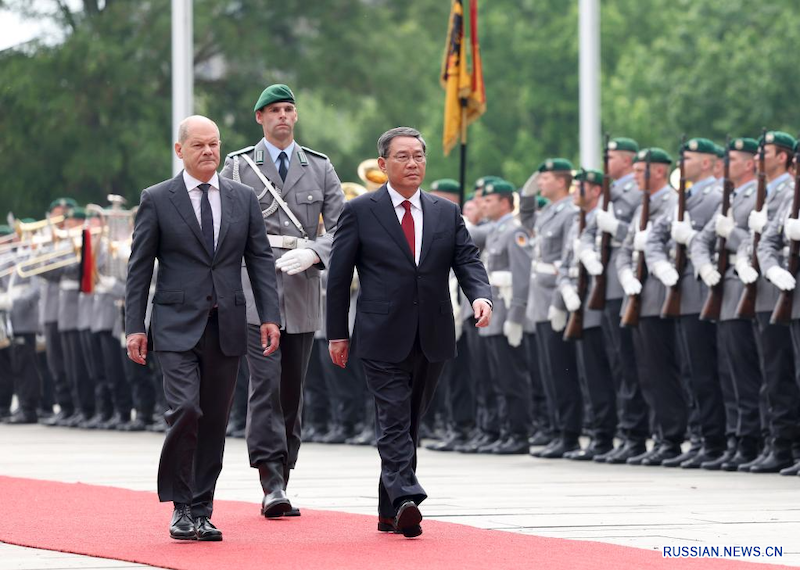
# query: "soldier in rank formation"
[[639, 318]]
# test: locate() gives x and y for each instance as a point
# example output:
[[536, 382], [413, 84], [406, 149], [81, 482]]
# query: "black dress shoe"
[[275, 502], [476, 442], [681, 458], [94, 422], [366, 437], [76, 420], [386, 524], [159, 425], [662, 453], [794, 470], [293, 512], [705, 456], [182, 525], [5, 413], [716, 464], [603, 457], [514, 445], [630, 453], [594, 449], [408, 519], [774, 462], [339, 434], [541, 438], [21, 417], [206, 531], [559, 449], [65, 420], [490, 445], [760, 458]]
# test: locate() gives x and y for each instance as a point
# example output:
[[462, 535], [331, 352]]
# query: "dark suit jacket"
[[167, 229], [399, 299]]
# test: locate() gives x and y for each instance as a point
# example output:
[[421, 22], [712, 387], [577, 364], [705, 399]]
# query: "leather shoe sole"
[[408, 519], [387, 525]]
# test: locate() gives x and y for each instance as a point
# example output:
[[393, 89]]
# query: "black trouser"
[[541, 414], [6, 378], [726, 385], [114, 373], [659, 376], [684, 365], [509, 366], [58, 368], [633, 412], [345, 387], [48, 395], [782, 394], [317, 398], [27, 381], [460, 395], [486, 415], [275, 402], [93, 356], [739, 354], [198, 385], [594, 367], [143, 388], [560, 376], [238, 416], [402, 391], [700, 344], [77, 372]]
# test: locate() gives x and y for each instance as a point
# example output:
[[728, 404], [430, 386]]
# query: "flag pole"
[[462, 170]]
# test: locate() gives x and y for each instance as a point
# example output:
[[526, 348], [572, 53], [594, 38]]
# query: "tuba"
[[371, 175]]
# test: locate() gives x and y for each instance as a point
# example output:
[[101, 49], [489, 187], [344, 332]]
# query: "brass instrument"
[[29, 233], [371, 175], [352, 190]]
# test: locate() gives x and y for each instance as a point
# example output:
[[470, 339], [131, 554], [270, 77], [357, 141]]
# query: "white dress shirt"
[[416, 214], [196, 196]]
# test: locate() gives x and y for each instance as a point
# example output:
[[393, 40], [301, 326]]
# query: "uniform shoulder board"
[[314, 152], [627, 187], [241, 151], [781, 186], [559, 208]]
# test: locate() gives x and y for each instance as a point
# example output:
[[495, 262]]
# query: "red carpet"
[[132, 525]]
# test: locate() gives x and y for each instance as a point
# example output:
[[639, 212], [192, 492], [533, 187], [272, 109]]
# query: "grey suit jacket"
[[311, 189], [166, 229]]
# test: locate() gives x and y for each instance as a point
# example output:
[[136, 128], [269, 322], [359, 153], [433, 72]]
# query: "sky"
[[13, 30]]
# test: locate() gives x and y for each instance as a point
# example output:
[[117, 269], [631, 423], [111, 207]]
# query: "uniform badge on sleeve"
[[521, 238]]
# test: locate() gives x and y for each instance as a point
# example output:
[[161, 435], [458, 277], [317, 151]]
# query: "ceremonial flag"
[[456, 78]]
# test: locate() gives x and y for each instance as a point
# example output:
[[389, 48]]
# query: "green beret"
[[701, 145], [744, 144], [555, 165], [590, 176], [446, 185], [484, 180], [498, 186], [469, 196], [779, 138], [273, 94], [623, 143], [541, 201], [657, 155], [720, 151], [77, 212], [5, 230], [63, 202]]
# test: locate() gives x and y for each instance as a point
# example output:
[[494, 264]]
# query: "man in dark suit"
[[404, 244], [198, 226]]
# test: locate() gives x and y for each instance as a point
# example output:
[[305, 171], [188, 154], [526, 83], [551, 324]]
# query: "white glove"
[[576, 246], [630, 284], [709, 274], [724, 225], [665, 273], [296, 261], [781, 278], [531, 187], [5, 302], [607, 221], [570, 296], [513, 332], [682, 231], [502, 280], [791, 229], [747, 274], [757, 220], [557, 318], [640, 237], [591, 261]]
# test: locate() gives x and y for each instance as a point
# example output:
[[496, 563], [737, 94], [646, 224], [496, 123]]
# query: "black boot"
[[275, 502], [779, 458], [727, 455], [597, 447], [746, 452], [765, 452]]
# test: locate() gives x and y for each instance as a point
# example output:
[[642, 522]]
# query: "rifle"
[[746, 309], [634, 306], [574, 330], [713, 305], [782, 314], [597, 300], [672, 303]]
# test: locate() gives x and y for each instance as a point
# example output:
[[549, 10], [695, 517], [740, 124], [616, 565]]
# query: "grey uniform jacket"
[[653, 291], [311, 188], [767, 293], [25, 295], [550, 232], [506, 246], [704, 247], [625, 197], [569, 272], [703, 200], [773, 248]]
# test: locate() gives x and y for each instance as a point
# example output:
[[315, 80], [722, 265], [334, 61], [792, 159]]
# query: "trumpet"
[[29, 233]]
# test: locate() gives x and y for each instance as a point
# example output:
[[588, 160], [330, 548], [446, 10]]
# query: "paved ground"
[[634, 506]]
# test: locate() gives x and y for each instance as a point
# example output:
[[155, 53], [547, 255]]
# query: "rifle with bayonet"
[[574, 329], [597, 300], [672, 303], [634, 307], [782, 313]]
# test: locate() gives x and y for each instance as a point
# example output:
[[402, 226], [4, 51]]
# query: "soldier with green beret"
[[446, 188], [295, 185], [6, 230]]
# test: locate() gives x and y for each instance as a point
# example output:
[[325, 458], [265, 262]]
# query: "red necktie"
[[408, 227]]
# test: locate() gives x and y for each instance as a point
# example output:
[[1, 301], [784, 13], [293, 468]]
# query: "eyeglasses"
[[402, 158]]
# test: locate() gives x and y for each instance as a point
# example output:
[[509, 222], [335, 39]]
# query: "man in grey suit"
[[295, 186], [198, 226]]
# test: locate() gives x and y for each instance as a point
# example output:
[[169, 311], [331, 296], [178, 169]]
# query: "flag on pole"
[[456, 78]]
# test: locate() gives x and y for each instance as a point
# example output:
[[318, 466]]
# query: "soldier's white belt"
[[288, 242], [573, 272], [69, 285], [547, 268], [17, 290]]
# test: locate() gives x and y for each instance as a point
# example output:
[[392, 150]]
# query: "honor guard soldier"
[[592, 358], [698, 338], [295, 186], [559, 370], [775, 341], [654, 338], [736, 335], [614, 220], [508, 265], [6, 357]]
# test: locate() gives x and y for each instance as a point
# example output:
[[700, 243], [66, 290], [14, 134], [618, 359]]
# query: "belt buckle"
[[289, 242]]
